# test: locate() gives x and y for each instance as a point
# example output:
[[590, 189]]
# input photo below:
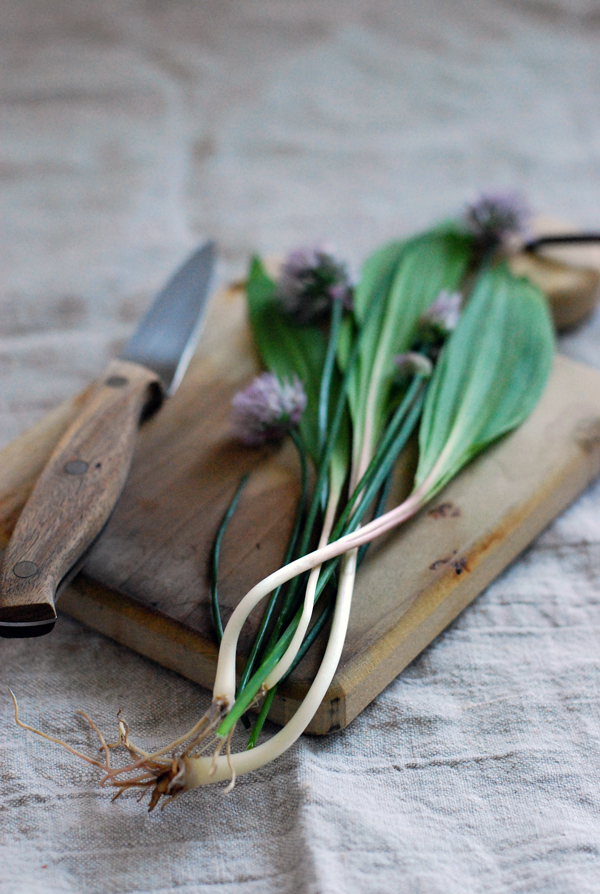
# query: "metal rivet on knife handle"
[[25, 569], [76, 467]]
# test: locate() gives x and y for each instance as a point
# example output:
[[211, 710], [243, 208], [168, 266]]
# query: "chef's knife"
[[83, 479]]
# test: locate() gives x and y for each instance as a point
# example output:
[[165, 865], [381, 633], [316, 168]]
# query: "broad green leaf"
[[369, 307], [489, 376], [398, 283]]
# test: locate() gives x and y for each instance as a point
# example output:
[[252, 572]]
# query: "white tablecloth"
[[131, 130]]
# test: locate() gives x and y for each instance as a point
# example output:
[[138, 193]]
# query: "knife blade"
[[79, 487]]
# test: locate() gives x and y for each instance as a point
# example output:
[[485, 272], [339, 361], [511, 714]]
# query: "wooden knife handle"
[[74, 497]]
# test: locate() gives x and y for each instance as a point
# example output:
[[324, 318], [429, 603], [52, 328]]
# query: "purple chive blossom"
[[440, 319], [311, 279], [497, 218], [413, 364], [267, 409]]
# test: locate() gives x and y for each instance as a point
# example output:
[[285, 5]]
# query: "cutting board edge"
[[177, 648], [439, 605]]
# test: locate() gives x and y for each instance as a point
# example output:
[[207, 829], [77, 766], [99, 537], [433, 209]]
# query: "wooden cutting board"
[[146, 582]]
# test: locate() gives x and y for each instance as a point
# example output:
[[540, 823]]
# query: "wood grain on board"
[[145, 583]]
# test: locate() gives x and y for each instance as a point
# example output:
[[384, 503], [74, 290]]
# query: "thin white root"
[[125, 741], [38, 732], [215, 755], [163, 778], [103, 746], [231, 785], [198, 733], [287, 659]]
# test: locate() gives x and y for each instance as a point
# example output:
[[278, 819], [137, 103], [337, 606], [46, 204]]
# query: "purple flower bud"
[[267, 409], [496, 218], [311, 279], [442, 316], [413, 364]]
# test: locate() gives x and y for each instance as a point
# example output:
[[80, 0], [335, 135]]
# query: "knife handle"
[[74, 497]]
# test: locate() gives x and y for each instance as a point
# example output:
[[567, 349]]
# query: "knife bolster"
[[74, 497]]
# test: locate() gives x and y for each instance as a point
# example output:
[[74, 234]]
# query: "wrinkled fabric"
[[132, 130]]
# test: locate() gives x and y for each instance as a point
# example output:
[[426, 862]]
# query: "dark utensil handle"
[[74, 497], [562, 239]]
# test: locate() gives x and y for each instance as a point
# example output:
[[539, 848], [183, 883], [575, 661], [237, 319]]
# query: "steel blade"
[[166, 338]]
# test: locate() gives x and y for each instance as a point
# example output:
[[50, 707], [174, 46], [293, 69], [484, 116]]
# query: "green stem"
[[323, 470], [379, 507], [311, 636], [328, 367], [262, 630], [309, 640], [260, 720], [244, 699], [370, 483], [386, 466], [385, 454], [216, 612], [321, 483]]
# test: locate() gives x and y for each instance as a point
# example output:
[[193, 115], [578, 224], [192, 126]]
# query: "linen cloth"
[[132, 130]]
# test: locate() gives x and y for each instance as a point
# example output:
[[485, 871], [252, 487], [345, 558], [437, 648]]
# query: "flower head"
[[311, 279], [497, 218], [413, 364], [442, 316], [267, 409]]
